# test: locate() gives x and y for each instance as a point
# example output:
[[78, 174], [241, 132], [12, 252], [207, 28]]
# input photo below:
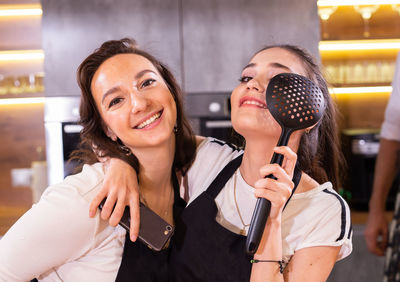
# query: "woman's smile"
[[150, 122], [252, 102]]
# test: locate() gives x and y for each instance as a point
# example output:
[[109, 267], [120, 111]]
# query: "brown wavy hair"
[[93, 135], [319, 153]]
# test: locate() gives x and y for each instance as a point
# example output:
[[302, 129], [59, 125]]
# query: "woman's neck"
[[155, 166], [258, 152], [155, 183]]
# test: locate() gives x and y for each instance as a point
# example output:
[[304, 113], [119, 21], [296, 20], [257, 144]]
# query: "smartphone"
[[154, 231]]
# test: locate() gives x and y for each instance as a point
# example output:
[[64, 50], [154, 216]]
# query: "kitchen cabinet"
[[219, 37], [205, 43], [73, 29]]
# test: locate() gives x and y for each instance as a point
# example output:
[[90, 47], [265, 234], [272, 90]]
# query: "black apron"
[[203, 250], [139, 262]]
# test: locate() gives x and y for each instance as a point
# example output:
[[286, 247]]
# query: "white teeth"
[[254, 103], [150, 120]]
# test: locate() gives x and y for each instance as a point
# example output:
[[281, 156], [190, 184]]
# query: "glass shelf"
[[22, 95]]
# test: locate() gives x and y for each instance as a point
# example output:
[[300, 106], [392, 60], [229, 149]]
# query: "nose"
[[138, 102], [254, 84]]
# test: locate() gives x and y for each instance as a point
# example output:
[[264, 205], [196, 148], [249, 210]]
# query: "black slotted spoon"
[[296, 103]]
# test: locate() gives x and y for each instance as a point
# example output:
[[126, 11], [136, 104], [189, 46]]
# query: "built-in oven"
[[62, 132], [209, 113]]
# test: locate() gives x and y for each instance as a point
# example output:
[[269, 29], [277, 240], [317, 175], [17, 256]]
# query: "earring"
[[175, 128], [126, 150]]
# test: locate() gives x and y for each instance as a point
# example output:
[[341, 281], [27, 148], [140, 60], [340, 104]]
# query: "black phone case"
[[154, 231]]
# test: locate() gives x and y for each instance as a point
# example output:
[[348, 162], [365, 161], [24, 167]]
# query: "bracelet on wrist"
[[280, 262]]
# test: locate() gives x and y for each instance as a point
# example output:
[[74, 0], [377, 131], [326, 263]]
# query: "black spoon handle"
[[263, 206], [260, 216], [257, 225]]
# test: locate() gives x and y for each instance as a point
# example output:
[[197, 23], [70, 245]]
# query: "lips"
[[251, 101], [148, 121]]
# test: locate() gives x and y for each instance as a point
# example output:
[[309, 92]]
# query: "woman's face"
[[134, 101], [249, 114]]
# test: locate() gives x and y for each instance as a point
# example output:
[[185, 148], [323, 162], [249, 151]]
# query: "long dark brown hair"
[[93, 135], [319, 153]]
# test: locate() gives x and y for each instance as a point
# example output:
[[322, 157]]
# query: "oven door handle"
[[72, 128], [218, 124]]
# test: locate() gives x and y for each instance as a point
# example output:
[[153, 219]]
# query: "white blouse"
[[57, 241], [391, 126]]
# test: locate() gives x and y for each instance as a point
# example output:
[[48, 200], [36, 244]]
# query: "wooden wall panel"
[[362, 111], [21, 133]]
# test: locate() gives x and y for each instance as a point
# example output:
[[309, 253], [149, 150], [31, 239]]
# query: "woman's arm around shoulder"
[[121, 189]]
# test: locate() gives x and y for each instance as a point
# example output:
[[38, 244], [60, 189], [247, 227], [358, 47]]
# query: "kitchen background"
[[205, 43]]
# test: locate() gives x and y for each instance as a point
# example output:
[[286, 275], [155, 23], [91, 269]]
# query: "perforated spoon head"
[[294, 101]]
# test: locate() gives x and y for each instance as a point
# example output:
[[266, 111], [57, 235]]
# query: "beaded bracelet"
[[280, 262]]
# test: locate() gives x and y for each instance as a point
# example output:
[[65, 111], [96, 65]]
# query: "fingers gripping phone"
[[154, 231]]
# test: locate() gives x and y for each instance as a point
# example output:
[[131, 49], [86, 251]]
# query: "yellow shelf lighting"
[[335, 3], [20, 10], [22, 101], [372, 44], [361, 90], [21, 55]]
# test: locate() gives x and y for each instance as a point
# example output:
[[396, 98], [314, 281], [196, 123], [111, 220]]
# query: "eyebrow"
[[280, 66], [117, 88], [109, 92], [275, 65], [249, 66]]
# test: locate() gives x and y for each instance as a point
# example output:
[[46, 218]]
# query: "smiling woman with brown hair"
[[131, 109]]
